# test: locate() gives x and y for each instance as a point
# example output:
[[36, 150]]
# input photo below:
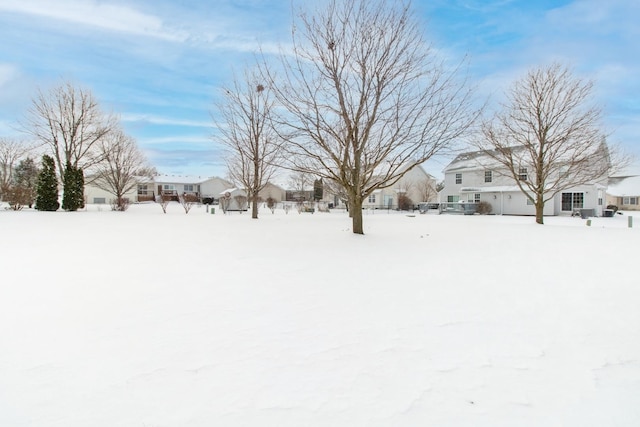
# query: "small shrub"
[[404, 203], [614, 208], [119, 204], [271, 204], [484, 208]]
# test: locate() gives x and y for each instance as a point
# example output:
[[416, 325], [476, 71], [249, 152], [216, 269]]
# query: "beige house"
[[416, 186], [272, 191], [624, 192], [98, 196]]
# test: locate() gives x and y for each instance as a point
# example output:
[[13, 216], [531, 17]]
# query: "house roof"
[[624, 186], [473, 160], [180, 179]]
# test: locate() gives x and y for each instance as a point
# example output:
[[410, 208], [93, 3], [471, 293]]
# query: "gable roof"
[[180, 179], [475, 160], [624, 186]]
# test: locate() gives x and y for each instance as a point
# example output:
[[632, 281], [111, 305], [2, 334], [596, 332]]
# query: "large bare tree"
[[253, 148], [547, 135], [122, 166], [69, 121], [11, 152], [366, 98]]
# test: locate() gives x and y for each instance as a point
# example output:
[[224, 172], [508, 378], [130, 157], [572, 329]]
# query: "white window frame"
[[458, 178], [523, 173], [488, 176]]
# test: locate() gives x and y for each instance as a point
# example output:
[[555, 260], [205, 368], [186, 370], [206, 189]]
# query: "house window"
[[142, 189], [372, 198], [600, 198], [99, 200], [473, 197], [529, 202], [522, 174], [452, 199], [571, 201], [458, 178], [488, 177], [629, 200], [188, 187]]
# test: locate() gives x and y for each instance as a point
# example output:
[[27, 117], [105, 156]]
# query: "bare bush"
[[484, 208], [187, 201], [163, 201], [404, 202], [120, 204], [271, 204]]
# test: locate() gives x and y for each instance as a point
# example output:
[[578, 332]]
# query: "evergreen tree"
[[73, 188], [318, 189], [47, 187]]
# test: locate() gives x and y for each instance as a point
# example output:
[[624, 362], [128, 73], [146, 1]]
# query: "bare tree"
[[366, 98], [252, 146], [11, 152], [163, 201], [69, 122], [187, 201], [427, 190], [547, 135], [122, 166], [301, 184]]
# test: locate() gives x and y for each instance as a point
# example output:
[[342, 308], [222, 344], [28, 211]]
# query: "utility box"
[[587, 213]]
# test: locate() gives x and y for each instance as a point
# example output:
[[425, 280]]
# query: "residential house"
[[272, 191], [624, 192], [416, 186], [98, 196], [474, 177], [206, 189]]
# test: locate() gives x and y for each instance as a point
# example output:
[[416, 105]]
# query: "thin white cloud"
[[96, 14], [7, 73], [175, 140], [157, 120]]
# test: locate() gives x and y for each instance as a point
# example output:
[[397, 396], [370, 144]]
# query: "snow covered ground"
[[147, 319]]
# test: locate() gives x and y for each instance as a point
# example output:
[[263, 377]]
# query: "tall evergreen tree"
[[47, 187], [73, 188], [318, 189]]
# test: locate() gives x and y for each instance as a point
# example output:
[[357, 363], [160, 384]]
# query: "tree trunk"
[[539, 212], [254, 206], [356, 216]]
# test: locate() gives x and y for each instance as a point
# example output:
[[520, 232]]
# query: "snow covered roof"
[[180, 179], [473, 160], [624, 186]]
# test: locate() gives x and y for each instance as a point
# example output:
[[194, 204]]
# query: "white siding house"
[[475, 177], [201, 187]]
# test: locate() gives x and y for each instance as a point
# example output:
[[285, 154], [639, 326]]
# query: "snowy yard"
[[145, 319]]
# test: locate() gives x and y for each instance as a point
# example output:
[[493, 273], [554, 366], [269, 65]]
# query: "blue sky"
[[160, 64]]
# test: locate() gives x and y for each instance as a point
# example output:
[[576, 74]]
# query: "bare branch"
[[69, 121]]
